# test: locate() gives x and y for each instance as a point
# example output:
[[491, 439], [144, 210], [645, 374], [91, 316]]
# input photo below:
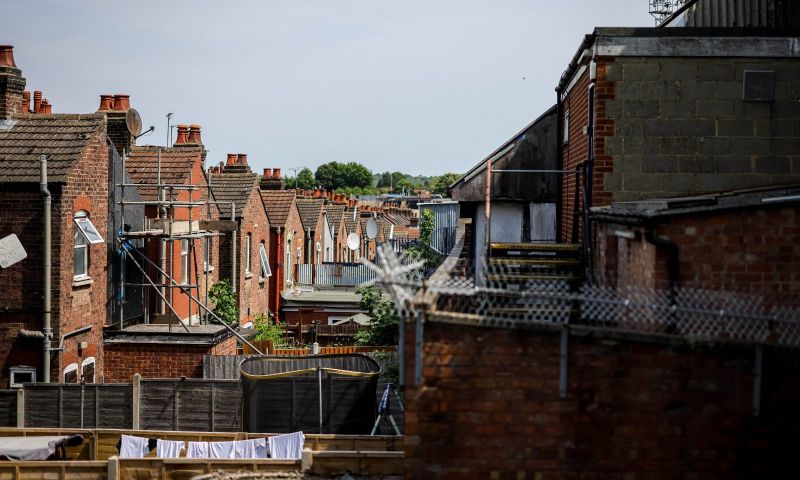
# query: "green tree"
[[268, 329], [356, 175], [329, 176], [305, 179], [442, 183], [334, 175], [226, 306], [423, 250], [382, 329]]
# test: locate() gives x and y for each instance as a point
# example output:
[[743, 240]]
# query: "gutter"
[[47, 331]]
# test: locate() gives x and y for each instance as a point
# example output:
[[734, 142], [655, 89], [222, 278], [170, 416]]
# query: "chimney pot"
[[276, 173], [194, 134], [7, 56], [26, 101], [267, 173], [37, 100], [122, 102], [182, 137], [106, 102], [231, 160], [45, 107], [242, 159]]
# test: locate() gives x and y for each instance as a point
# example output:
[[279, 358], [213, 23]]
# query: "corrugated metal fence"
[[445, 221]]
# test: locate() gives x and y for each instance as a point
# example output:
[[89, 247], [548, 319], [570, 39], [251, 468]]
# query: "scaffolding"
[[164, 230]]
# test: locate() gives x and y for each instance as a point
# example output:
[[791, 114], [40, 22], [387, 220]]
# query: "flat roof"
[[162, 334]]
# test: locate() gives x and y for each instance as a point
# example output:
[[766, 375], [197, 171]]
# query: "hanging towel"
[[255, 448], [289, 446], [220, 449], [133, 447], [169, 448], [197, 450]]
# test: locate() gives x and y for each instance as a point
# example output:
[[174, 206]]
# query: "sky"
[[419, 86]]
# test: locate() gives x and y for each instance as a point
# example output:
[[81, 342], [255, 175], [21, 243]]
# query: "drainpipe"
[[280, 280], [235, 246], [46, 330]]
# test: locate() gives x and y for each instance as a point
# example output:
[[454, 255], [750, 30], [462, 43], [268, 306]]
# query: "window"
[[566, 127], [21, 374], [71, 373], [184, 261], [87, 370], [247, 253], [262, 255]]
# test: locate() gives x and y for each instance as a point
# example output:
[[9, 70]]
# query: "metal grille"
[[505, 299]]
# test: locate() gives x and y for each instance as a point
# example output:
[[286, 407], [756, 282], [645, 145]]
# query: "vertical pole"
[[113, 468], [487, 213], [47, 302], [758, 379], [136, 401], [21, 408], [319, 381], [121, 229], [163, 254], [562, 363], [190, 245], [234, 273], [418, 346], [83, 399]]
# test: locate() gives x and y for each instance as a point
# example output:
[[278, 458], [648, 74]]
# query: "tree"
[[225, 305], [336, 176], [356, 175], [305, 179], [329, 175], [442, 183], [383, 328]]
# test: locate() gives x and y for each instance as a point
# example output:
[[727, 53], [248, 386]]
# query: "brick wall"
[[575, 150], [79, 306], [253, 288], [489, 408], [751, 250], [163, 360]]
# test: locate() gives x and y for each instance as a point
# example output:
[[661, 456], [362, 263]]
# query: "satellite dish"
[[133, 121], [372, 228], [11, 251], [352, 241]]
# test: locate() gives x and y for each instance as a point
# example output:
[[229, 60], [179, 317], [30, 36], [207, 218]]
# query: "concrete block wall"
[[681, 126], [489, 408]]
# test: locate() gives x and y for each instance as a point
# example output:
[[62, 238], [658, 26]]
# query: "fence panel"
[[191, 405], [8, 408], [79, 406]]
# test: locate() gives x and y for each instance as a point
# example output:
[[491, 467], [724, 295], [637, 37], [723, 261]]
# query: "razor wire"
[[498, 296]]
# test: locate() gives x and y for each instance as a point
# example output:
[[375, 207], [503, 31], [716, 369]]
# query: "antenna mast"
[[661, 10]]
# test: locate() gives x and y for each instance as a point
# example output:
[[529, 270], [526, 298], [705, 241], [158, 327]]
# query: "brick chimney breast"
[[11, 83]]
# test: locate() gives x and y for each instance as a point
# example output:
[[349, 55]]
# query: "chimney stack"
[[106, 103], [11, 84], [26, 102], [194, 135], [182, 136], [271, 182], [45, 107]]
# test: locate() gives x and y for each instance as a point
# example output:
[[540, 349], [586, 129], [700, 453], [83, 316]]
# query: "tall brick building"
[[234, 183], [77, 156], [668, 112]]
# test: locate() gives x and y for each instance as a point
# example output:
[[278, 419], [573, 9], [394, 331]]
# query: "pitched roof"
[[176, 165], [232, 187], [351, 223], [279, 204], [24, 138], [310, 211], [335, 214]]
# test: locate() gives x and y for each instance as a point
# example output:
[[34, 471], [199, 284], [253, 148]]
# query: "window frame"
[[247, 253], [184, 261], [565, 133], [13, 371], [85, 363], [80, 243], [264, 260], [71, 368]]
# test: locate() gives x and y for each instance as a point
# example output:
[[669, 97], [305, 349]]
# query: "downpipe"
[[47, 331]]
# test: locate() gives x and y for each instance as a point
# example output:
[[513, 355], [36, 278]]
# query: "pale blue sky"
[[422, 87]]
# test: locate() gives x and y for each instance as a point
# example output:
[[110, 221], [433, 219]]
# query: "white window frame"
[[247, 248], [13, 371], [80, 247], [184, 261], [72, 367], [85, 363], [262, 255], [566, 127]]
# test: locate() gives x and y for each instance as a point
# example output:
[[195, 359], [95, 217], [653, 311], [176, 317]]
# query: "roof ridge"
[[58, 116]]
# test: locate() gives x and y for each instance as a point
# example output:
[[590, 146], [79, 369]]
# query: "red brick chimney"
[[231, 160], [37, 101], [11, 84], [106, 103], [271, 182], [26, 102], [183, 135], [194, 135], [267, 173]]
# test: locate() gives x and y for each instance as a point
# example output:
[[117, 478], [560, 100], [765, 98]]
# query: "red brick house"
[[314, 225], [352, 224], [182, 258], [77, 154], [335, 214], [235, 183], [286, 234]]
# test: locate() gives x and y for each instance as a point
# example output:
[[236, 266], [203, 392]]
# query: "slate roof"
[[335, 214], [232, 187], [350, 223], [310, 211], [176, 165], [62, 137], [279, 204]]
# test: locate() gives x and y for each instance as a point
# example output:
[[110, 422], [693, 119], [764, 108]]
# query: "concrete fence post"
[[306, 461], [21, 408], [135, 403], [113, 468]]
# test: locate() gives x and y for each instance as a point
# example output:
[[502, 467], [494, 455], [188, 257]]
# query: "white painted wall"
[[327, 240], [507, 221], [543, 222]]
